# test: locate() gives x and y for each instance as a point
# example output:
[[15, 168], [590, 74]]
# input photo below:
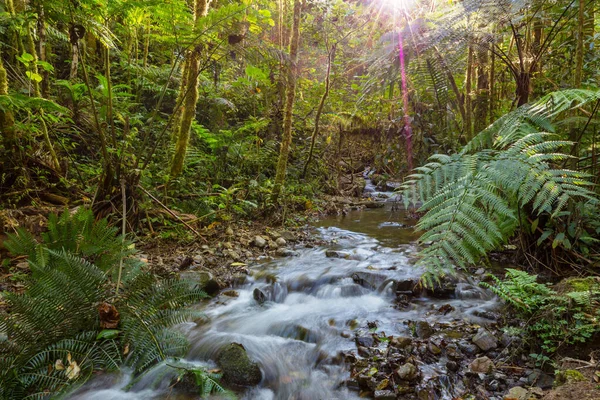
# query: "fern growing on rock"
[[69, 322], [473, 202]]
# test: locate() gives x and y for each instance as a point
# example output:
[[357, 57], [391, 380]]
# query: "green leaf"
[[46, 66], [558, 240], [534, 225], [26, 58], [108, 334], [33, 76]]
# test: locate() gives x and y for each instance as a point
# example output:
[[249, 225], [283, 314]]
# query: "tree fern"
[[473, 200]]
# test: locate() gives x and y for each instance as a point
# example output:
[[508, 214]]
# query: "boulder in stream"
[[238, 369]]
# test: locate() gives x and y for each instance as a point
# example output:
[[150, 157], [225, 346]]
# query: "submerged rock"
[[237, 367], [337, 254]]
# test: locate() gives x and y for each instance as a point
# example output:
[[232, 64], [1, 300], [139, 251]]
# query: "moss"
[[583, 284], [238, 369], [569, 376]]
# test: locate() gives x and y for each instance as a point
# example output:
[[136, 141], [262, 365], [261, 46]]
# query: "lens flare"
[[403, 5]]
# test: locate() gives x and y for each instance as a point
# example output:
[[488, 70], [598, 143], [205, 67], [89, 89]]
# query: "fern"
[[556, 318], [472, 201], [57, 317]]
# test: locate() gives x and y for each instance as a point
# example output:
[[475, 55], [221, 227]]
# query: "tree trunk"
[[7, 119], [292, 69], [522, 91], [468, 101], [330, 57], [482, 99], [492, 89], [189, 95], [41, 27]]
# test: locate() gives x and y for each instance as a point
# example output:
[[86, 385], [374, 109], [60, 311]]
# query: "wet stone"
[[400, 341], [407, 372], [237, 367], [280, 242], [482, 365], [259, 296], [366, 341], [384, 395], [363, 351], [468, 348], [452, 366], [337, 254], [485, 340], [423, 330]]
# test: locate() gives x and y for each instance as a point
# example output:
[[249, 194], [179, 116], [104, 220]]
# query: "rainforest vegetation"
[[178, 123]]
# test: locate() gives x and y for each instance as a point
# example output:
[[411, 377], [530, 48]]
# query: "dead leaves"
[[72, 371], [109, 316]]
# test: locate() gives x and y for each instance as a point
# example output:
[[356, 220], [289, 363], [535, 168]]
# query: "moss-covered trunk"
[[7, 119], [188, 97], [286, 139]]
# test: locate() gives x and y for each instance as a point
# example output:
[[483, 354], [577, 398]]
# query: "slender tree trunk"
[[579, 52], [482, 99], [7, 119], [189, 96], [338, 159], [292, 69], [468, 101], [330, 57], [492, 81], [41, 27]]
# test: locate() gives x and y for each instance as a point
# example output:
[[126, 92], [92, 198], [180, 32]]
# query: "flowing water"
[[314, 304]]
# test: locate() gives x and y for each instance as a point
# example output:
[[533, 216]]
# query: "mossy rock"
[[569, 376], [238, 369], [591, 283]]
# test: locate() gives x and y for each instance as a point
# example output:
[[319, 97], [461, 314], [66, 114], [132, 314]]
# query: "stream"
[[317, 303]]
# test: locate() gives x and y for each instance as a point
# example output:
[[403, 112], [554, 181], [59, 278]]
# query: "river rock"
[[423, 330], [289, 236], [368, 279], [434, 349], [517, 393], [280, 242], [452, 366], [384, 395], [485, 340], [365, 341], [444, 289], [407, 372], [337, 254], [259, 242], [468, 348], [205, 280], [540, 379], [237, 367], [286, 253], [482, 365], [259, 296], [400, 341], [363, 351]]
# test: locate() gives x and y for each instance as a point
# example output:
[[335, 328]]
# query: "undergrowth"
[[72, 321]]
